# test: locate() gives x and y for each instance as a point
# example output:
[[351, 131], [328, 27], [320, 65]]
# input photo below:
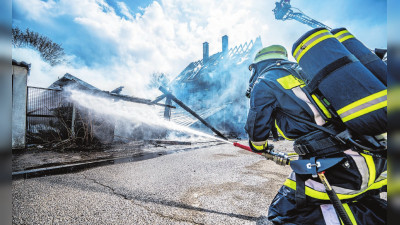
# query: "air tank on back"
[[357, 95], [369, 59]]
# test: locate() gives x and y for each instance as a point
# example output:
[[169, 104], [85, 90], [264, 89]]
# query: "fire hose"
[[283, 159], [279, 158]]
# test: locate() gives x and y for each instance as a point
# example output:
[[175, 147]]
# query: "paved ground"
[[216, 185]]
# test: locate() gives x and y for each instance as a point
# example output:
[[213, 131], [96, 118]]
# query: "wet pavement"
[[68, 163], [215, 185]]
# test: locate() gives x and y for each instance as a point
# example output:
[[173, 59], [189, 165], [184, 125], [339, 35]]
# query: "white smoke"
[[127, 116], [42, 74]]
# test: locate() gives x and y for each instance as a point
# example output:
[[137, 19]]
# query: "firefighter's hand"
[[260, 148]]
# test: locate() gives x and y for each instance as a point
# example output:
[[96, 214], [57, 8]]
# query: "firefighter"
[[277, 99]]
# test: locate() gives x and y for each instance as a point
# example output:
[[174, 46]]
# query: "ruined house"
[[53, 116], [215, 87]]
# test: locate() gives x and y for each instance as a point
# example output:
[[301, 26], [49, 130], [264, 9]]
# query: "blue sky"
[[135, 6], [110, 42]]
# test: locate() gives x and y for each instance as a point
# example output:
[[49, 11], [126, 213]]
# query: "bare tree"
[[49, 50]]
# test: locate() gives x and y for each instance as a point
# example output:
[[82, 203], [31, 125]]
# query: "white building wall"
[[19, 93]]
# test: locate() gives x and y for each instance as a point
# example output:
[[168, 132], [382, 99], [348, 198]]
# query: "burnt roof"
[[76, 83], [237, 55], [69, 79]]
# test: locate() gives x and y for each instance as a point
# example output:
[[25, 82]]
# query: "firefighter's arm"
[[259, 119]]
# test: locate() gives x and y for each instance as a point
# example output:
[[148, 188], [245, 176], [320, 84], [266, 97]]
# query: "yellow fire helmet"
[[271, 52]]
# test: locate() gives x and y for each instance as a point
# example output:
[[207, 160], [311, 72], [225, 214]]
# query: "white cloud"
[[35, 9], [42, 74], [125, 10]]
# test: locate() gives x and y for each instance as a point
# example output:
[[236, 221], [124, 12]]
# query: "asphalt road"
[[216, 185]]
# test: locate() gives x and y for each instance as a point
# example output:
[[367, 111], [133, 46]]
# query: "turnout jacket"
[[358, 176], [277, 89]]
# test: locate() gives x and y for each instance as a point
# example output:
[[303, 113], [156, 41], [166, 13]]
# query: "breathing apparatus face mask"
[[253, 71]]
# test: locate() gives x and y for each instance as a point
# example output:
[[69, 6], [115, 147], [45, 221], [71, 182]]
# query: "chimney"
[[225, 44], [205, 52]]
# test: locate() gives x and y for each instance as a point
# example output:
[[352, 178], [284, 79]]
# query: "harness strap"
[[256, 75], [300, 194], [277, 65], [329, 69], [333, 133], [324, 147]]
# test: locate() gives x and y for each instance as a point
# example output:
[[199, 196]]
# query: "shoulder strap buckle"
[[301, 149]]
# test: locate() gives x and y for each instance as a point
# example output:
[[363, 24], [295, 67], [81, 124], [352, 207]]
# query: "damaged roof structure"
[[73, 82], [215, 87]]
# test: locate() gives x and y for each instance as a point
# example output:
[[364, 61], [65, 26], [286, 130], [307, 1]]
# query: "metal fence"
[[48, 115]]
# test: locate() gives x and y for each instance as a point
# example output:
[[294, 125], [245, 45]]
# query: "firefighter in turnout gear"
[[278, 99]]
